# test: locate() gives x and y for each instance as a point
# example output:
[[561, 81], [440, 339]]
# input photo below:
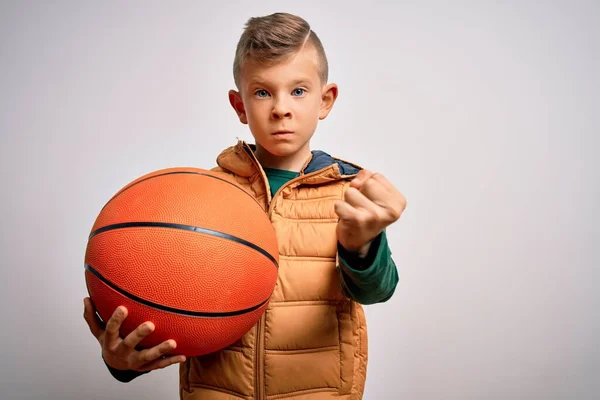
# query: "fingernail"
[[146, 328], [120, 312]]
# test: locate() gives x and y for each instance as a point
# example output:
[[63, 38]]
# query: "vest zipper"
[[260, 326], [259, 340], [258, 358]]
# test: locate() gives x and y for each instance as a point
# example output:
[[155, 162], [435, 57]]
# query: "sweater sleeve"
[[124, 375], [372, 279]]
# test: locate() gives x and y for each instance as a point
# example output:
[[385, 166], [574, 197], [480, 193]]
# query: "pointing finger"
[[375, 191], [361, 178], [360, 200], [345, 211], [384, 182]]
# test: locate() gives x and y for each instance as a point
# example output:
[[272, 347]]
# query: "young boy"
[[330, 217]]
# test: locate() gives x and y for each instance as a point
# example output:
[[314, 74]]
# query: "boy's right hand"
[[121, 353]]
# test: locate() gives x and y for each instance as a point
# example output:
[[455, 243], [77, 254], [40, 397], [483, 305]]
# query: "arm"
[[371, 203], [370, 279]]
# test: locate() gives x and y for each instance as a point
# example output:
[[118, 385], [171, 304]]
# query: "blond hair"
[[273, 38]]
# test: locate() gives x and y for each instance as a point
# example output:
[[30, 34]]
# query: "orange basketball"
[[189, 250]]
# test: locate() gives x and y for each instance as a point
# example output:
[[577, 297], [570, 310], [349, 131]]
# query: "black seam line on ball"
[[179, 173], [185, 228], [171, 309]]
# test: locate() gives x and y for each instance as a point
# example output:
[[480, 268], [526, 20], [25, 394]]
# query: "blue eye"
[[298, 92], [261, 93]]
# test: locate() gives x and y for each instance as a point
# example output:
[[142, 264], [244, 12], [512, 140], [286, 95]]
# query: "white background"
[[484, 115]]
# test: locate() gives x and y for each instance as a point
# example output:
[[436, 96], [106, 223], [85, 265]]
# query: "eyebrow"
[[258, 81], [301, 81]]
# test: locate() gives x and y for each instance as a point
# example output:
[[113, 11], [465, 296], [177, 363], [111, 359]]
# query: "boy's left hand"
[[370, 205]]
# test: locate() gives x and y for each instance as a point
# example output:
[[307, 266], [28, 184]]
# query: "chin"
[[282, 149]]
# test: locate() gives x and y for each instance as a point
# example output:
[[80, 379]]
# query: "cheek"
[[309, 109], [315, 109], [256, 111]]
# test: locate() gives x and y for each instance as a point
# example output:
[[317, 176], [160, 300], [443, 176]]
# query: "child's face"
[[282, 103]]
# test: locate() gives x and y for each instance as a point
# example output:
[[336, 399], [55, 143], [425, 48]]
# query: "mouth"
[[282, 133]]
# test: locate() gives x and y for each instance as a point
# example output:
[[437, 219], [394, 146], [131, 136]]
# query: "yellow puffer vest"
[[311, 343]]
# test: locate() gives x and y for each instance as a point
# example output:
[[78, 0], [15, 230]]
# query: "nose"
[[281, 110]]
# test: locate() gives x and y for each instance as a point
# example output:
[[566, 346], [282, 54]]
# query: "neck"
[[293, 162]]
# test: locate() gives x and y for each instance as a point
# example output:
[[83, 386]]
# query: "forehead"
[[302, 65]]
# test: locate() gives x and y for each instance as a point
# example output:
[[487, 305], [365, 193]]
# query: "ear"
[[328, 97], [235, 99]]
